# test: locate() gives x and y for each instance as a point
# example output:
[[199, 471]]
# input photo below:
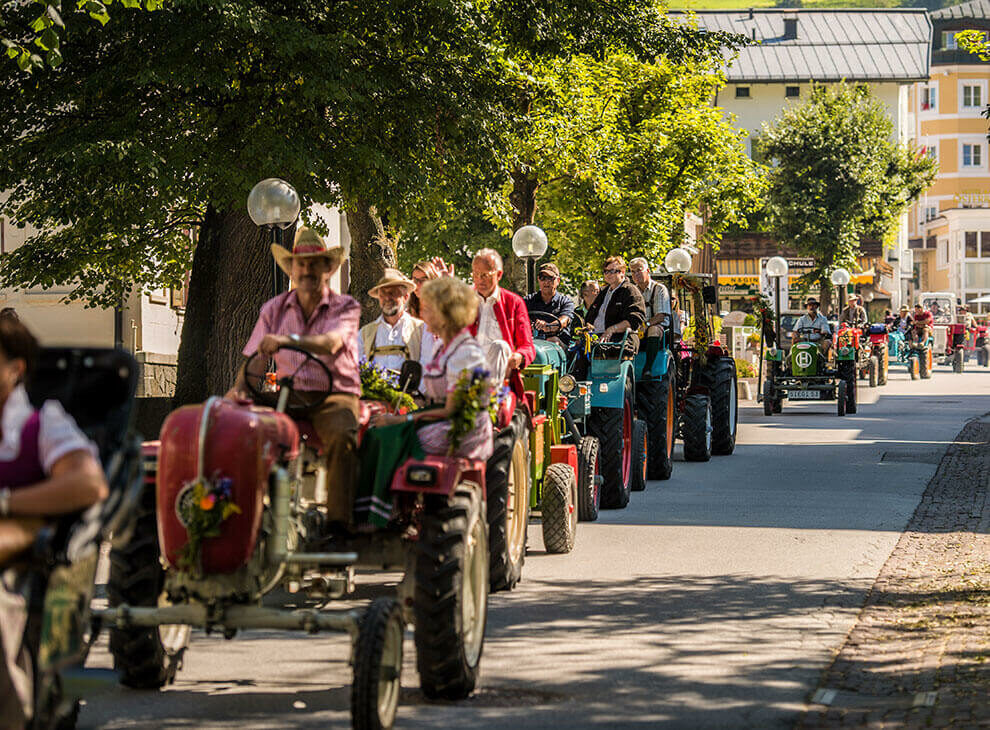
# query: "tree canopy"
[[838, 175]]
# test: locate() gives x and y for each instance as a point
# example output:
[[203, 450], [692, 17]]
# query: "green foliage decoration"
[[472, 395], [378, 385]]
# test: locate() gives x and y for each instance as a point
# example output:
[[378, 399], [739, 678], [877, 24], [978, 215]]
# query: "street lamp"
[[529, 243], [273, 204], [677, 261], [777, 268], [840, 278]]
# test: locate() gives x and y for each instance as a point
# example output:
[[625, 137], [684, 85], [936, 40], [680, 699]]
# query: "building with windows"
[[885, 49], [949, 228]]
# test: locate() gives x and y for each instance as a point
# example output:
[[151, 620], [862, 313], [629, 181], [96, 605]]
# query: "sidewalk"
[[919, 654]]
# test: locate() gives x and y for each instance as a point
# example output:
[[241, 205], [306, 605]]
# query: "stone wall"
[[157, 375]]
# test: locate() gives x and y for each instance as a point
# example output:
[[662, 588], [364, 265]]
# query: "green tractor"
[[804, 375]]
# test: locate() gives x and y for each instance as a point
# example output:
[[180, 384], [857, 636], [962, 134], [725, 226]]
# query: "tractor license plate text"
[[804, 394]]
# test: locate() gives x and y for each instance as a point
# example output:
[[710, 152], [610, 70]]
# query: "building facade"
[[888, 50], [949, 228]]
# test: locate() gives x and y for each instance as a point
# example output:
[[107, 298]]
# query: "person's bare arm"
[[616, 328], [76, 482], [328, 343], [239, 390]]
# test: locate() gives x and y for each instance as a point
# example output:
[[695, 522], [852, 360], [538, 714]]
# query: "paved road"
[[714, 600]]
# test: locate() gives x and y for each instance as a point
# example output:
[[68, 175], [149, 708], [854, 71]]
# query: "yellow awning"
[[866, 277]]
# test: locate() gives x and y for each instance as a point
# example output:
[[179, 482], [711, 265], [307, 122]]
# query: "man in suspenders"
[[396, 336]]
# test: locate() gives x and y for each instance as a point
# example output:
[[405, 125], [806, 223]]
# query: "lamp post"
[[777, 268], [273, 204], [677, 261], [529, 243], [840, 278]]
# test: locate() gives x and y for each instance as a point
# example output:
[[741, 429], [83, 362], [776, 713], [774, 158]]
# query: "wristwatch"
[[4, 501], [295, 339]]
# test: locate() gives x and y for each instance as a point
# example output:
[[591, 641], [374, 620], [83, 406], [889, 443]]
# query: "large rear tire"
[[914, 366], [451, 599], [640, 456], [696, 428], [768, 396], [884, 361], [558, 508], [656, 403], [958, 364], [724, 393], [507, 483], [377, 666], [873, 370], [145, 658], [589, 483], [840, 398], [925, 364], [613, 428]]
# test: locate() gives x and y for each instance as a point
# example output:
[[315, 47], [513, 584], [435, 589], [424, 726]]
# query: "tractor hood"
[[804, 359]]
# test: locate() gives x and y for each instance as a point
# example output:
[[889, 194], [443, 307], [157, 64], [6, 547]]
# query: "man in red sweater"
[[502, 326]]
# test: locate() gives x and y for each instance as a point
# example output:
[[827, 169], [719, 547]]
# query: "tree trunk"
[[523, 201], [371, 253], [231, 278], [825, 295]]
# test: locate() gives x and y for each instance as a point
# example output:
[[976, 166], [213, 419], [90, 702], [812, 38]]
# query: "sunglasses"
[[612, 271], [547, 277]]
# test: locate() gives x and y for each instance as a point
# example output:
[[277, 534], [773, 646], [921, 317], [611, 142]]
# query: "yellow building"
[[949, 228]]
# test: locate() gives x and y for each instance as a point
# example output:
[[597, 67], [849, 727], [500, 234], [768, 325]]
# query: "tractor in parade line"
[[804, 375], [869, 345], [609, 415], [917, 357], [703, 375], [879, 343], [236, 507], [948, 332]]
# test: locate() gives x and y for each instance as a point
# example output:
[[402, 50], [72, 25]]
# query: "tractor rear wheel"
[[656, 403], [613, 427], [958, 364], [723, 387], [874, 371], [640, 456], [914, 366], [558, 508], [589, 483], [925, 364], [507, 487], [884, 361], [377, 666], [451, 600], [147, 658], [840, 398], [983, 355], [847, 373], [696, 429], [767, 399]]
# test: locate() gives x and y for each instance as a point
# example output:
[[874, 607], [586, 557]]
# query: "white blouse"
[[58, 433]]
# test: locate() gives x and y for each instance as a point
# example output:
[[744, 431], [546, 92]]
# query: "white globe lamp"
[[273, 202], [529, 242], [840, 277], [678, 260], [777, 267]]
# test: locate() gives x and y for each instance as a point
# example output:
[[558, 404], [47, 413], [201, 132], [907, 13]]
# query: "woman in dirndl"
[[448, 306]]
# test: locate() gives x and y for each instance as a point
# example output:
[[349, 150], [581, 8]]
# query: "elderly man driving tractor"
[[313, 318], [815, 321]]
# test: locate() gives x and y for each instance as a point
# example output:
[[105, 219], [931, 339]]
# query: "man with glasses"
[[655, 297], [814, 320], [551, 302], [502, 326], [618, 307]]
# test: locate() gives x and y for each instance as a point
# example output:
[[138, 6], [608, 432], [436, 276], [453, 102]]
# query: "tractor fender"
[[436, 474], [608, 382]]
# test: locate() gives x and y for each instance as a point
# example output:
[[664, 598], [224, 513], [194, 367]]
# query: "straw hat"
[[307, 245], [392, 277]]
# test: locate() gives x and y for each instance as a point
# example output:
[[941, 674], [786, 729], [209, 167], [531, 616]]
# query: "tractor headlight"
[[425, 475], [567, 383]]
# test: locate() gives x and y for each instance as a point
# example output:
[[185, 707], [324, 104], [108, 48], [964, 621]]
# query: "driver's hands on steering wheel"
[[270, 344]]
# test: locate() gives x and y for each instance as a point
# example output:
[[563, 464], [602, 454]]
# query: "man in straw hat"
[[814, 320], [312, 317], [396, 336], [854, 313]]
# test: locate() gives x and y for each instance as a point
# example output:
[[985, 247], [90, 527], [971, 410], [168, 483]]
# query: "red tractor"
[[237, 509], [868, 358]]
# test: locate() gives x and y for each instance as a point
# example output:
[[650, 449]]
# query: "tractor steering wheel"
[[553, 324], [306, 377]]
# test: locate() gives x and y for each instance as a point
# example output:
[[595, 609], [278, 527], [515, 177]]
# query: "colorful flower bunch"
[[380, 384], [203, 506], [472, 394]]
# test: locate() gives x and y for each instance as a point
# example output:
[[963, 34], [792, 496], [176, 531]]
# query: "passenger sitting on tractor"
[[903, 322], [312, 317], [549, 301], [449, 307], [396, 336], [854, 314], [920, 333], [814, 320], [502, 327], [589, 293], [47, 467], [618, 308], [922, 316], [655, 297]]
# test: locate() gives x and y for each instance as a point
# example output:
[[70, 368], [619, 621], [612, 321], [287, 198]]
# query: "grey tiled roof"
[[834, 44], [973, 9]]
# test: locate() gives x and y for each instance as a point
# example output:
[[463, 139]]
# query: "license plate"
[[804, 394]]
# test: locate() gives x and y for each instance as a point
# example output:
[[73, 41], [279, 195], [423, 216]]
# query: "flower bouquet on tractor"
[[236, 506]]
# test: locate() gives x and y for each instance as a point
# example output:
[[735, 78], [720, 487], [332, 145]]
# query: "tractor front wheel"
[[377, 666], [884, 361], [451, 598], [925, 364], [847, 374], [589, 482], [723, 387], [914, 366], [983, 355], [958, 364], [840, 398], [507, 488], [558, 509], [696, 429], [874, 371], [640, 456]]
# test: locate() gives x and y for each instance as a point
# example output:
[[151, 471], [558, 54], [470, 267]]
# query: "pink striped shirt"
[[335, 313]]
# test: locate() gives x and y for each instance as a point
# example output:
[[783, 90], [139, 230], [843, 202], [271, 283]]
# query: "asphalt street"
[[714, 600]]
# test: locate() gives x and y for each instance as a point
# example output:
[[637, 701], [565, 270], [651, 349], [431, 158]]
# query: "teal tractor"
[[610, 417], [804, 375], [656, 402]]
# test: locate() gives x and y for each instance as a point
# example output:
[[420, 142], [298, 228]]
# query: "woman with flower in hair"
[[456, 383]]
